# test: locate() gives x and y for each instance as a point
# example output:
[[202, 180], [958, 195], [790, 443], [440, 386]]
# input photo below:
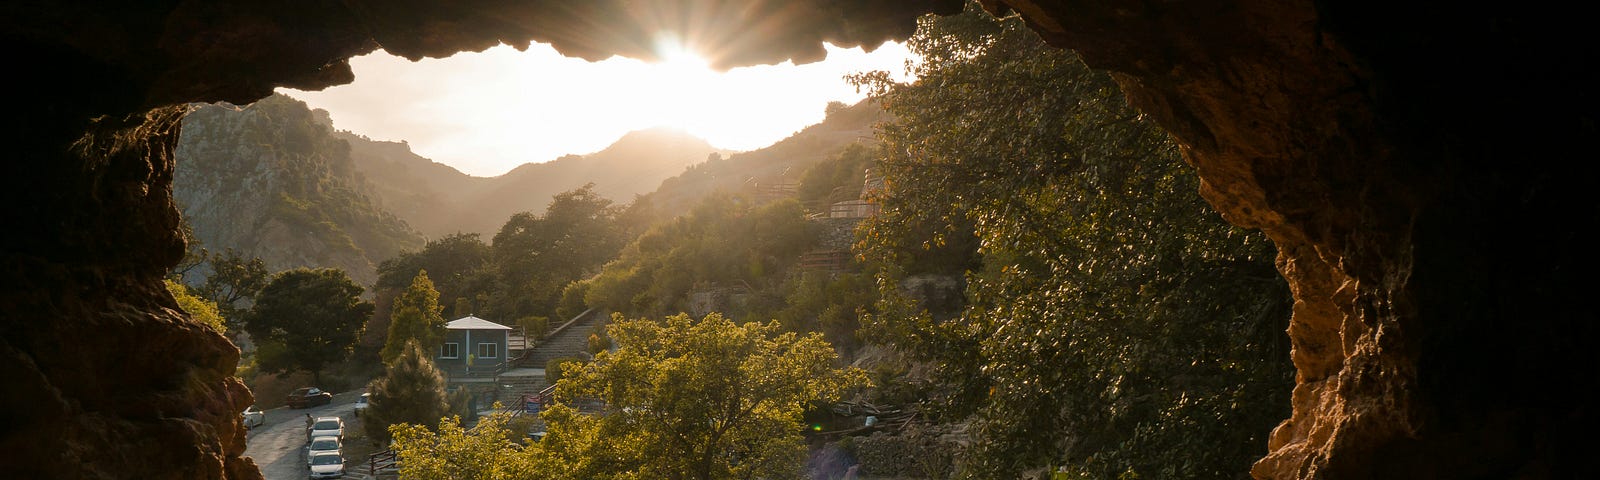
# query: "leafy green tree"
[[411, 391], [536, 256], [724, 240], [451, 452], [1115, 324], [234, 283], [200, 310], [416, 317], [306, 320], [459, 265], [687, 399], [828, 303]]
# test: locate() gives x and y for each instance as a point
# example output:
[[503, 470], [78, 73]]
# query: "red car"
[[309, 396]]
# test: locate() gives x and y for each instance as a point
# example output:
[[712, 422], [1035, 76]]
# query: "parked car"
[[254, 418], [323, 444], [327, 465], [326, 427], [309, 396], [361, 403]]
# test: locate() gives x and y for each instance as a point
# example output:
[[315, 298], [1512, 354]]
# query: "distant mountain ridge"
[[275, 179], [439, 200]]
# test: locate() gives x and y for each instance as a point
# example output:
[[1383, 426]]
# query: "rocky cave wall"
[[1420, 169]]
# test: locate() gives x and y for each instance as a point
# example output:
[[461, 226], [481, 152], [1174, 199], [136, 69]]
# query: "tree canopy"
[[696, 399], [307, 319], [415, 318], [411, 391], [1115, 324]]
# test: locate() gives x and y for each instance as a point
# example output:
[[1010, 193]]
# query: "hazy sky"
[[485, 113]]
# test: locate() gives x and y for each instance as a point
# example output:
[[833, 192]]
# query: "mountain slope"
[[439, 200], [272, 181], [780, 164]]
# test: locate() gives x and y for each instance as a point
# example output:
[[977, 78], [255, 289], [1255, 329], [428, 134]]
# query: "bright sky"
[[485, 113]]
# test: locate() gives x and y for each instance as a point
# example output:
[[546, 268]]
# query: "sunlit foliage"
[[416, 318], [200, 310], [1116, 324], [695, 399], [723, 241]]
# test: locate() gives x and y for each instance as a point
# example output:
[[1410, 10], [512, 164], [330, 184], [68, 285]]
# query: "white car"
[[321, 445], [362, 403], [327, 465], [326, 427], [254, 418]]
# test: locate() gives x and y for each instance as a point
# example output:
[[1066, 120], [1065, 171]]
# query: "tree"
[[307, 319], [411, 391], [687, 399], [451, 452], [458, 265], [234, 282], [1115, 323], [200, 310], [416, 317], [536, 256]]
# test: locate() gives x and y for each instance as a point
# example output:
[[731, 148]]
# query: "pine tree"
[[410, 391], [417, 316]]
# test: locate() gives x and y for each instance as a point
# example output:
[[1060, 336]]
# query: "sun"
[[683, 84]]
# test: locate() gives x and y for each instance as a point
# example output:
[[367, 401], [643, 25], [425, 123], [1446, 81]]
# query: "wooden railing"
[[383, 461]]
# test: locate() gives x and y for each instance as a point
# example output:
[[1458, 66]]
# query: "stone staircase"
[[568, 340], [522, 381]]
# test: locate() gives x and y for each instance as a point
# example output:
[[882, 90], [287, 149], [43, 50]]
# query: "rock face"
[[271, 180], [1418, 166]]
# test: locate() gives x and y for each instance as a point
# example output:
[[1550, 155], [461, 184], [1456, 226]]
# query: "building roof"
[[474, 323]]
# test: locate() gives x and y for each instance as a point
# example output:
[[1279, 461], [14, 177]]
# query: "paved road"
[[278, 445]]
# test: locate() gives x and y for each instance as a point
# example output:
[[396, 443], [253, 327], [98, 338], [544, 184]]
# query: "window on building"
[[488, 350], [450, 350]]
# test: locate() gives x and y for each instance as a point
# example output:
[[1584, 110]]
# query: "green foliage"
[[556, 367], [484, 452], [830, 304], [724, 240], [535, 327], [411, 391], [598, 341], [707, 399], [458, 266], [537, 256], [836, 179], [200, 310], [572, 301], [1115, 324], [416, 318], [307, 319], [233, 283]]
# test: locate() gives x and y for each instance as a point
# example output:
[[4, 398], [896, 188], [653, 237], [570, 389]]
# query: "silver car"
[[321, 445], [326, 427], [254, 418], [327, 465]]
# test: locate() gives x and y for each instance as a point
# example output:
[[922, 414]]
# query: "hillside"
[[272, 181], [439, 200], [276, 180], [778, 166]]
